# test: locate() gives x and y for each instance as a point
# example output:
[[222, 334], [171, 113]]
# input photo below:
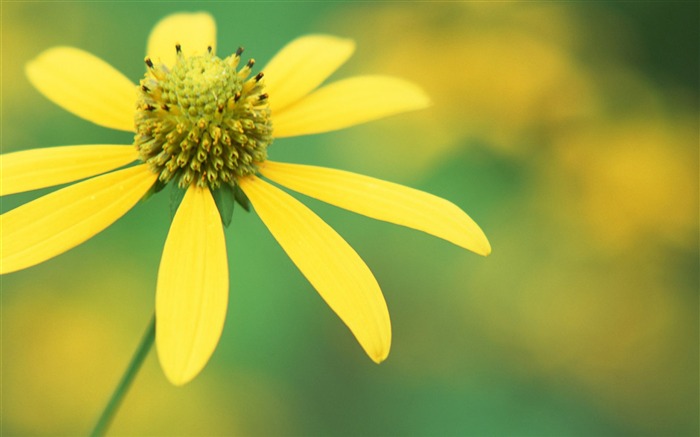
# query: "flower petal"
[[50, 225], [192, 291], [85, 85], [302, 65], [382, 200], [194, 32], [348, 102], [40, 168], [328, 262]]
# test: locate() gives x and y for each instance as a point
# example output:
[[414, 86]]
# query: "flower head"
[[205, 124], [202, 121]]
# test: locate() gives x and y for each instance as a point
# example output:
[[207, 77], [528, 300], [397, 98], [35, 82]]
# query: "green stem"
[[119, 393]]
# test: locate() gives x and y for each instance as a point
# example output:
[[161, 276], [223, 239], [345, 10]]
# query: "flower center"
[[203, 121]]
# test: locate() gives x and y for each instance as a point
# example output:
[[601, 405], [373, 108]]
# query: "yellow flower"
[[204, 123]]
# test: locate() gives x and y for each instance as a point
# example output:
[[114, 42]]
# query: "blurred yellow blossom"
[[635, 180], [497, 74]]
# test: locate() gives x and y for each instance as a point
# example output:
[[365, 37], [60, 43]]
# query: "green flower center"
[[204, 121]]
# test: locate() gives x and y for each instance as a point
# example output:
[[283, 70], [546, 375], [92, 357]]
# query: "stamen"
[[245, 71]]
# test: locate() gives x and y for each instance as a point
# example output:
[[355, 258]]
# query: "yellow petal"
[[328, 262], [347, 103], [382, 200], [50, 225], [194, 32], [41, 168], [192, 291], [302, 65], [85, 85]]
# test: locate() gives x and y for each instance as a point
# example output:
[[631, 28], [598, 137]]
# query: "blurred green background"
[[568, 131]]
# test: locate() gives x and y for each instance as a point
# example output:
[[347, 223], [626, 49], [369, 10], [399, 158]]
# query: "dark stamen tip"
[[178, 48], [149, 62], [237, 97], [239, 51], [165, 107], [262, 96], [145, 89], [209, 49], [259, 76], [251, 63], [149, 107]]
